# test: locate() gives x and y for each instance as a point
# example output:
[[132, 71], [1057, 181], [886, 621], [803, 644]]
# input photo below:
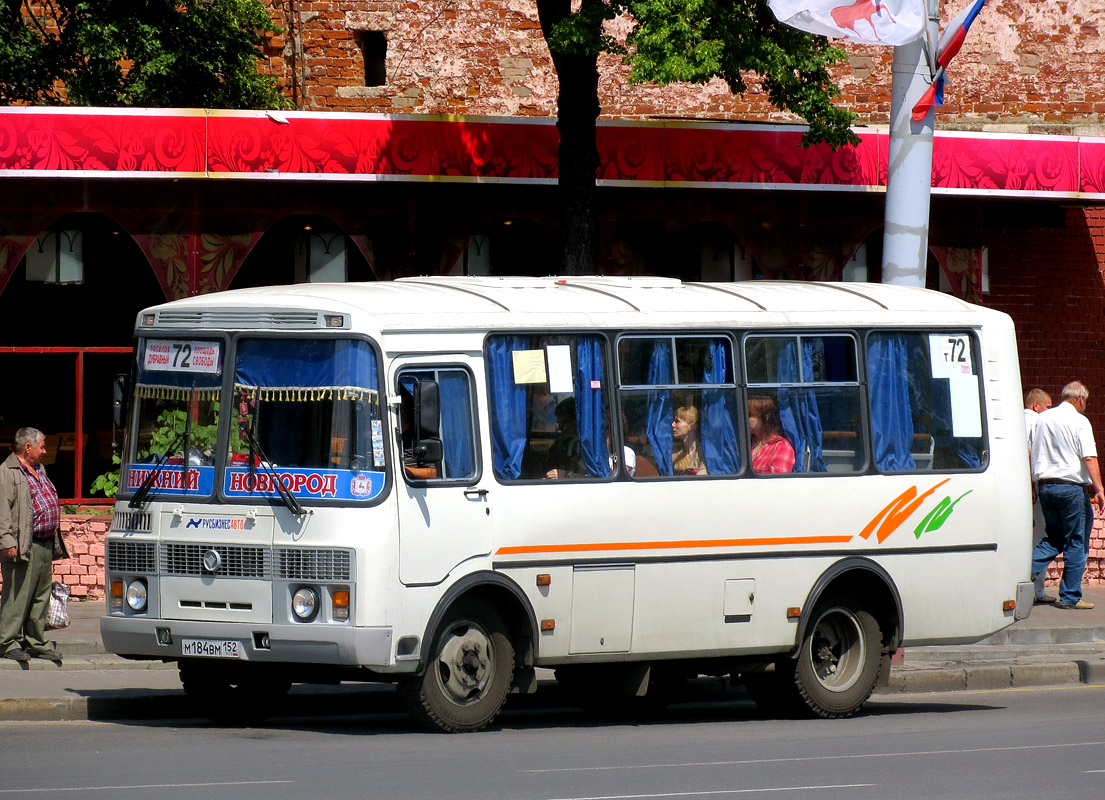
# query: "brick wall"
[[1048, 277], [83, 572], [1028, 65]]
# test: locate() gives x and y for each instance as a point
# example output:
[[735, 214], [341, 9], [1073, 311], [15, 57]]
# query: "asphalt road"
[[1026, 743]]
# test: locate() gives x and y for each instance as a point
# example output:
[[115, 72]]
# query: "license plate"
[[210, 648]]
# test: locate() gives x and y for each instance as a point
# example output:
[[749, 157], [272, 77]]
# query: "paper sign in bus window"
[[529, 366], [560, 368], [950, 354], [173, 356], [966, 415]]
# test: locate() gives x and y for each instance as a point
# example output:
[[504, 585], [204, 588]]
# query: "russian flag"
[[951, 41]]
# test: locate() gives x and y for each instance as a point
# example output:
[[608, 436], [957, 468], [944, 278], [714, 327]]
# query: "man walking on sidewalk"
[[1065, 470], [30, 541]]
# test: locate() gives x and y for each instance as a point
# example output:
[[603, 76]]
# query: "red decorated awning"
[[208, 144]]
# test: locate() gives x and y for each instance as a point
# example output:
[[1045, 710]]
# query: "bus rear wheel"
[[467, 676], [838, 664]]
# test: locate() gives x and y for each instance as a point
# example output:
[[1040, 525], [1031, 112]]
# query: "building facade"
[[422, 141]]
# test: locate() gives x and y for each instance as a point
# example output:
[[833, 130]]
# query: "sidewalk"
[[1052, 647]]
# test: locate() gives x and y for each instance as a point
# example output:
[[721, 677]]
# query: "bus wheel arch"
[[850, 626], [479, 644], [866, 581]]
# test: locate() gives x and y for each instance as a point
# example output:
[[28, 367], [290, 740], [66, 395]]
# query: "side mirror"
[[428, 448], [119, 401]]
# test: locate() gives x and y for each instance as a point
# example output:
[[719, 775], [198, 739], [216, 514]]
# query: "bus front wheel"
[[467, 676], [838, 663]]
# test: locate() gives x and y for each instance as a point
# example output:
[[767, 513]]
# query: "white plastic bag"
[[57, 615]]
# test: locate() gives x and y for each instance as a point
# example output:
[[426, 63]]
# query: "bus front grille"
[[233, 561], [313, 564], [132, 521], [132, 557]]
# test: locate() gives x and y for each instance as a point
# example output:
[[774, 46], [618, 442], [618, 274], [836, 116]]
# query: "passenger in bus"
[[771, 451], [564, 454], [687, 458], [629, 456]]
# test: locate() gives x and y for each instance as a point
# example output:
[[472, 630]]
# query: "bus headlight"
[[305, 603], [136, 596]]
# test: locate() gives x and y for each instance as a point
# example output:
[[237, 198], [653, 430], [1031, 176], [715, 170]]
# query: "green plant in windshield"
[[169, 432]]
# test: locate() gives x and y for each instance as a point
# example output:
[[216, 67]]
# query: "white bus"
[[448, 483]]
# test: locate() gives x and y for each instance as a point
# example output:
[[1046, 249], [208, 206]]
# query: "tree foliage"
[[669, 41], [696, 40], [158, 53]]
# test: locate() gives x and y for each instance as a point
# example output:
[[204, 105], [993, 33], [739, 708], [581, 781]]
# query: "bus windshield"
[[177, 407], [306, 411]]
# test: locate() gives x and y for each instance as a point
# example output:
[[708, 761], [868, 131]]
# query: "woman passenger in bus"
[[687, 458], [771, 451]]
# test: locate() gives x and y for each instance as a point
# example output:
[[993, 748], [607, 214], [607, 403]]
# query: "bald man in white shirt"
[[1068, 484]]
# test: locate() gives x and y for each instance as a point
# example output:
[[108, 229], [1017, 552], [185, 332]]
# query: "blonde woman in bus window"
[[771, 451], [687, 458]]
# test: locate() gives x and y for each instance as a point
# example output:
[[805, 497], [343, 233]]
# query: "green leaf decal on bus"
[[938, 516]]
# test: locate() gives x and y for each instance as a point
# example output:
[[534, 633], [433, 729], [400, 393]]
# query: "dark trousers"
[[25, 599], [1068, 521]]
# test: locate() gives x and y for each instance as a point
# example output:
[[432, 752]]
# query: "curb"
[[996, 676]]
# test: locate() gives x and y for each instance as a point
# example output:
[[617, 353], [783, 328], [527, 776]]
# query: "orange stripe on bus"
[[693, 543]]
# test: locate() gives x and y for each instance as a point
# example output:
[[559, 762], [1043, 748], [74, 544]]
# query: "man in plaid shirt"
[[30, 541]]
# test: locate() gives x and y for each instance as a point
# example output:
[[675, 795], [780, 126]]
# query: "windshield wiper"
[[147, 485], [184, 439], [255, 450]]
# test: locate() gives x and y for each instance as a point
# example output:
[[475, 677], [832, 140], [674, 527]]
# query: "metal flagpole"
[[909, 166]]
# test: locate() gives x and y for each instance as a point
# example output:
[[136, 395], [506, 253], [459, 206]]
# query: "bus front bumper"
[[305, 644]]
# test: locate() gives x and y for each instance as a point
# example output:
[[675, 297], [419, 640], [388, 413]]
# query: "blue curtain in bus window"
[[660, 412], [891, 415], [591, 407], [798, 410], [456, 425], [305, 364], [508, 406], [719, 434]]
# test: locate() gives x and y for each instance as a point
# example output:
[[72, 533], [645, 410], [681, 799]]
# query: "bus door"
[[443, 497]]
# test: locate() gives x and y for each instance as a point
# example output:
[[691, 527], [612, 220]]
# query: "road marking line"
[[719, 792], [821, 758], [142, 786]]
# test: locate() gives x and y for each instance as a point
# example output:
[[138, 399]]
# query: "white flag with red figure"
[[891, 22]]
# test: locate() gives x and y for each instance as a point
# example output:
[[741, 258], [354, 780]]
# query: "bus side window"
[[549, 407], [804, 405], [679, 409], [458, 461], [926, 411]]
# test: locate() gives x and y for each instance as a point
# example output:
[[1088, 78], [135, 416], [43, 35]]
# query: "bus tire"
[[468, 674], [839, 661]]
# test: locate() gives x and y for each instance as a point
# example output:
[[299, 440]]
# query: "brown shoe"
[[1081, 605], [49, 655]]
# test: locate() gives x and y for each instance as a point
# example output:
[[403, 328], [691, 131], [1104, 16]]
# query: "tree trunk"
[[578, 111]]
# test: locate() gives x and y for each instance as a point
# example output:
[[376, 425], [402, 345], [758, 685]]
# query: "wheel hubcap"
[[465, 664], [837, 649]]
